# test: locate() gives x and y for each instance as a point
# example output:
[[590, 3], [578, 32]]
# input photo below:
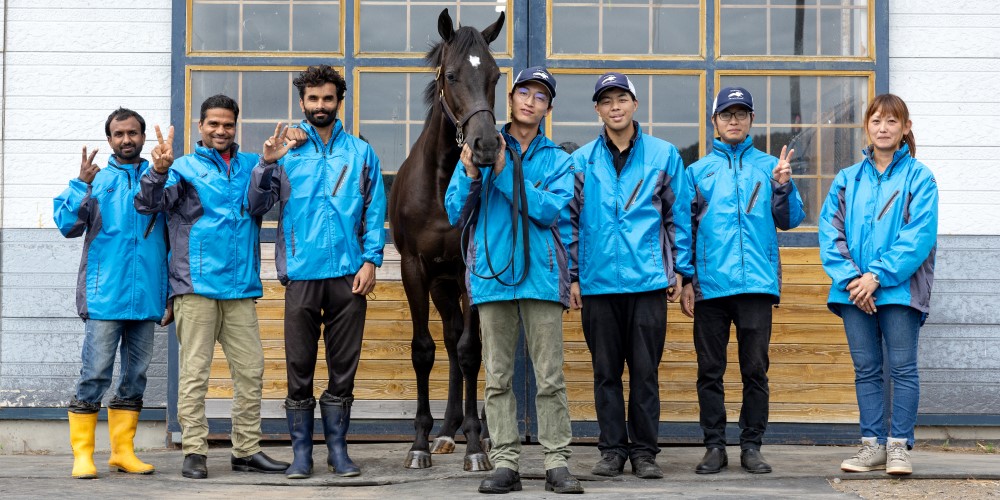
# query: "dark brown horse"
[[461, 100]]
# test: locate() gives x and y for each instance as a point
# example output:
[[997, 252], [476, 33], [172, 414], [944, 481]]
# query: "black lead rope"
[[518, 216]]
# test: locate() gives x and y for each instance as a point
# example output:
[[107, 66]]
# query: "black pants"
[[627, 329], [751, 313], [329, 302]]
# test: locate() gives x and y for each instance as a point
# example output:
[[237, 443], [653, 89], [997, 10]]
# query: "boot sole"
[[343, 474], [114, 468], [85, 476], [195, 475], [246, 468], [514, 487], [549, 487]]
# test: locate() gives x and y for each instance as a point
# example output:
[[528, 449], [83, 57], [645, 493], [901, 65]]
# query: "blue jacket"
[[885, 224], [123, 272], [625, 228], [331, 206], [735, 208], [485, 204], [214, 240]]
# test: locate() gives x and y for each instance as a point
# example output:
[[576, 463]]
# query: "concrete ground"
[[799, 471]]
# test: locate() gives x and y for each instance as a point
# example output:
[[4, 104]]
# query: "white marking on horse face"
[[474, 61]]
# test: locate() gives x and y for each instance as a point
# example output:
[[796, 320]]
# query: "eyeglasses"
[[524, 94], [728, 115]]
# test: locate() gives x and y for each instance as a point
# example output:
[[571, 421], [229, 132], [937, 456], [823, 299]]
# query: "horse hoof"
[[487, 444], [477, 462], [442, 445], [418, 460]]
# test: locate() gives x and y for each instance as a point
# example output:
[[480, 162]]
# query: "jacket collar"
[[125, 167], [900, 154], [636, 135], [539, 142], [317, 141], [725, 149]]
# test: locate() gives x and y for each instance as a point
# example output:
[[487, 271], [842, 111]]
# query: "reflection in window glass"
[[818, 116], [391, 111], [265, 26], [657, 27], [783, 28], [411, 25], [668, 109]]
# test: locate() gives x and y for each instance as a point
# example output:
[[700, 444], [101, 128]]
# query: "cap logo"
[[608, 79], [539, 74], [736, 94]]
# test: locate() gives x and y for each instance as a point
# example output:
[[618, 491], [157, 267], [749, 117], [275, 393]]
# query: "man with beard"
[[121, 291], [214, 279], [331, 210]]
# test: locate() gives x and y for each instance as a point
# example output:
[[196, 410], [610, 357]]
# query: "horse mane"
[[465, 38]]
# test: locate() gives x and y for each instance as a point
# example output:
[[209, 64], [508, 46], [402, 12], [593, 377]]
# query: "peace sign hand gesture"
[[783, 171], [87, 168], [163, 152], [276, 146]]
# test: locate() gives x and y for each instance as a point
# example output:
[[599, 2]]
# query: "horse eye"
[[451, 77]]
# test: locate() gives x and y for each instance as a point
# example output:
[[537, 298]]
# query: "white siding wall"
[[69, 64], [945, 63]]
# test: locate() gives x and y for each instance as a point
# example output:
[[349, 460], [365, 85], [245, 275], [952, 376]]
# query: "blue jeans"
[[134, 339], [897, 327]]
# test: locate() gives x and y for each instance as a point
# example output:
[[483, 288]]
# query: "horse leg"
[[470, 358], [445, 296], [422, 350]]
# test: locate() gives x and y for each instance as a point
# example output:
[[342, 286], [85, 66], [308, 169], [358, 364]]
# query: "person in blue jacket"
[[517, 277], [877, 238], [627, 219], [331, 209], [214, 279], [732, 271], [121, 291]]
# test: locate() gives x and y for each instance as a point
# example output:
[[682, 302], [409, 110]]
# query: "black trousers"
[[330, 303], [626, 329], [751, 313]]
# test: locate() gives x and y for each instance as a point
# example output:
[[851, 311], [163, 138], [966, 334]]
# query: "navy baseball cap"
[[537, 74], [613, 80], [731, 96]]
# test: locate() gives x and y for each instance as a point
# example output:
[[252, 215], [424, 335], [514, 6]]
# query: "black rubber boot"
[[336, 420], [300, 428]]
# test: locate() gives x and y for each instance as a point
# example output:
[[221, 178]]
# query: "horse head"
[[465, 83]]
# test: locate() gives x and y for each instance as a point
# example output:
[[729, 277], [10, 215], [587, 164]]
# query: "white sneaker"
[[898, 462], [871, 456]]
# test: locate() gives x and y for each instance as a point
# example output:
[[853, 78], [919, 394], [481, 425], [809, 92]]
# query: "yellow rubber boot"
[[121, 429], [81, 438]]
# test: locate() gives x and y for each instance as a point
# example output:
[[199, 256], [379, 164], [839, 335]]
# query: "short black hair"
[[124, 114], [317, 76], [219, 101]]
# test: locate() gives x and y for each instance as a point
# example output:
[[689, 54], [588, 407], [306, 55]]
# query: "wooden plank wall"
[[812, 380]]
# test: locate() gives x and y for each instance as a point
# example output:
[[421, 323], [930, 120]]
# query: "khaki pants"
[[201, 322], [542, 322]]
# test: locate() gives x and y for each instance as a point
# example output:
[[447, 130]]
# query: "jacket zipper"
[[753, 197], [97, 279], [887, 205], [293, 242], [340, 180], [632, 197], [548, 248]]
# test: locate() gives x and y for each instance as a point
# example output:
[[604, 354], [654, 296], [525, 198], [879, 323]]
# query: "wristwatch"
[[875, 278]]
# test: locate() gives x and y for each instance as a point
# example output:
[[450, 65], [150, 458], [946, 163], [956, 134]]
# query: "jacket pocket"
[[753, 197], [340, 181], [888, 204], [631, 198]]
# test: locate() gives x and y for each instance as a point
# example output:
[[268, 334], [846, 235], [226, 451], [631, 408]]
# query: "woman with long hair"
[[877, 235]]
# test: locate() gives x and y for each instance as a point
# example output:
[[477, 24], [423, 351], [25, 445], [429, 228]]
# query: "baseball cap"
[[731, 96], [537, 74], [613, 80]]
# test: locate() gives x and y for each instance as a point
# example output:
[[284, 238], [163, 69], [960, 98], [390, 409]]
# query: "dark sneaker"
[[645, 468], [714, 461], [753, 462], [560, 480], [502, 480], [611, 465]]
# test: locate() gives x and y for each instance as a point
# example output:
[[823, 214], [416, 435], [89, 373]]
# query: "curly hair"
[[124, 114], [317, 76]]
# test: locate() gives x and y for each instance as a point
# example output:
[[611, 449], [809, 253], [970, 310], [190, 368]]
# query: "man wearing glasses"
[[627, 196], [517, 277], [738, 195]]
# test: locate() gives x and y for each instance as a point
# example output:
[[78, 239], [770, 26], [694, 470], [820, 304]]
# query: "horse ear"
[[493, 31], [445, 27]]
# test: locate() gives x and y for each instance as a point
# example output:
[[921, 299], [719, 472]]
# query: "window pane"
[[657, 27], [668, 109], [258, 26], [411, 25], [782, 28]]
